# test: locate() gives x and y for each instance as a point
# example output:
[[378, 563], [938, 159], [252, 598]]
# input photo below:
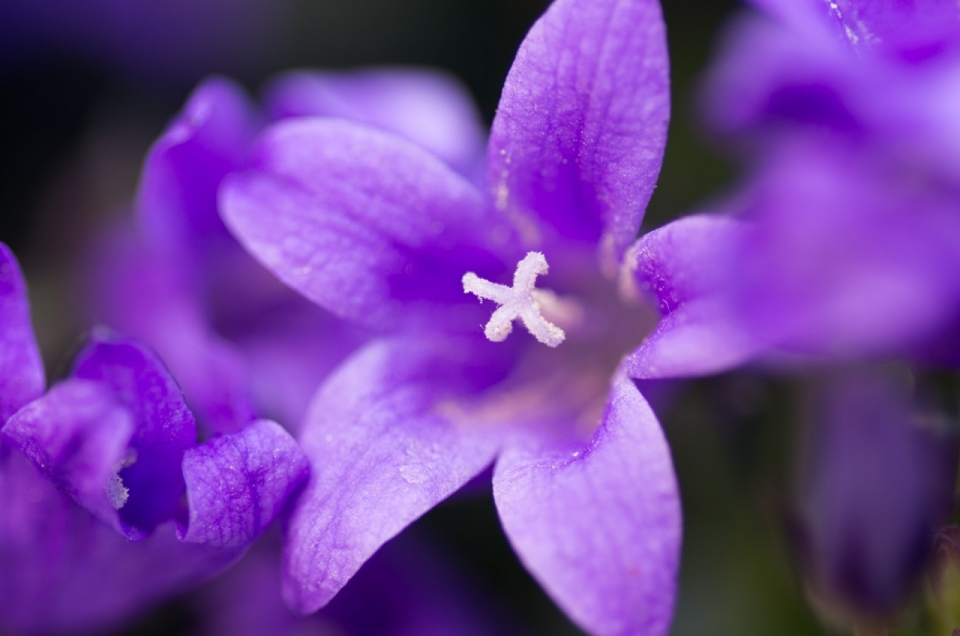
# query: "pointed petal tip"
[[600, 526]]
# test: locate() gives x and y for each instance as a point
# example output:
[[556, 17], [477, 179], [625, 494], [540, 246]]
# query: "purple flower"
[[109, 501], [843, 240], [385, 233], [877, 481]]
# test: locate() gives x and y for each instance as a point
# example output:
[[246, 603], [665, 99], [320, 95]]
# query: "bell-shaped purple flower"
[[385, 233], [109, 502], [877, 481]]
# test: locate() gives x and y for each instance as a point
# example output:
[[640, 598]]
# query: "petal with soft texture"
[[289, 353], [599, 525], [361, 221], [914, 31], [146, 293], [769, 76], [163, 426], [429, 107], [21, 369], [846, 256], [66, 572], [384, 450], [177, 197], [238, 483], [77, 436], [580, 131], [685, 268]]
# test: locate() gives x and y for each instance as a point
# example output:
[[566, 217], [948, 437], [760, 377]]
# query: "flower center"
[[523, 301]]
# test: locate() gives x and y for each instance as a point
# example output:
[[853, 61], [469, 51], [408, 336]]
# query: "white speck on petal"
[[117, 493]]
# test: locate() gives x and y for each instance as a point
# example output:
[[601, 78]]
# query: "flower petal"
[[290, 353], [383, 452], [146, 293], [684, 267], [914, 30], [66, 572], [21, 369], [77, 436], [163, 426], [428, 107], [769, 77], [360, 221], [846, 256], [580, 131], [177, 198], [237, 484], [599, 525]]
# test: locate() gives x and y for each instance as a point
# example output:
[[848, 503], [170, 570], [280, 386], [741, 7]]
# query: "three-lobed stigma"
[[522, 301]]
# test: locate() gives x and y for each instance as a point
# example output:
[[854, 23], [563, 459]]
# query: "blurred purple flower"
[[385, 233], [877, 481], [109, 503], [844, 240]]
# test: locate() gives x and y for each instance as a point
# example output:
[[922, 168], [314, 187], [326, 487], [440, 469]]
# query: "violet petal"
[[238, 483], [177, 198], [846, 255], [428, 107], [21, 369], [682, 267], [383, 452], [769, 75], [599, 525], [290, 353], [360, 221], [66, 572], [580, 131], [146, 293], [911, 30], [163, 426], [77, 435]]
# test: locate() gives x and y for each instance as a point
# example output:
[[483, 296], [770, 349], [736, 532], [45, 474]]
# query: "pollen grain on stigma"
[[523, 301]]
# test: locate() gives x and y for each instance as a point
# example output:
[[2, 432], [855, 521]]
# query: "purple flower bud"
[[876, 483]]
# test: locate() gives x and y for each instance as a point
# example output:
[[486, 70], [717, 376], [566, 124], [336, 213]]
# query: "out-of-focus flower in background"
[[877, 476], [843, 237]]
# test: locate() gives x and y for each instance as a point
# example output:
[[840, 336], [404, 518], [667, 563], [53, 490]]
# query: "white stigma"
[[522, 301]]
